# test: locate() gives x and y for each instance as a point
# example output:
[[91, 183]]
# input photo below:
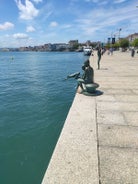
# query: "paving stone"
[[117, 106], [106, 98], [119, 91], [131, 118], [118, 165], [127, 98], [110, 117], [135, 91], [120, 136]]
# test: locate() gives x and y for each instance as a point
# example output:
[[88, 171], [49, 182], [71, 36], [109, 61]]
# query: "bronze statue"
[[86, 82], [88, 75]]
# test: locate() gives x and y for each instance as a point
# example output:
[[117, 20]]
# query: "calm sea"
[[34, 102]]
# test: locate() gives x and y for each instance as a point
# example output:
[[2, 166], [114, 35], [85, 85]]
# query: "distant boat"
[[87, 50]]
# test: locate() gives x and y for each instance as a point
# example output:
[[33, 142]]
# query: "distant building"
[[5, 49], [61, 46], [132, 37], [73, 42], [88, 42]]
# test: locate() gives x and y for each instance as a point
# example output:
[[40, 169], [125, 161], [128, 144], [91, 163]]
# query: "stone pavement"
[[117, 118], [99, 140]]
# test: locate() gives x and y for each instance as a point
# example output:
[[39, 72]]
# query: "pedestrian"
[[99, 54], [103, 51], [111, 51], [132, 52]]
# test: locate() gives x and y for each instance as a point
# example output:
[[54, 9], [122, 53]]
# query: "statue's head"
[[87, 63], [83, 67]]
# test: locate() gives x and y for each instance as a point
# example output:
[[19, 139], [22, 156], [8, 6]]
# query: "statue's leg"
[[80, 83]]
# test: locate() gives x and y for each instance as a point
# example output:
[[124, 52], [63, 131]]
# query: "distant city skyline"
[[36, 22]]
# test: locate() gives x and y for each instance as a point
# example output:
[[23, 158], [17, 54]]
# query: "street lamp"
[[119, 33]]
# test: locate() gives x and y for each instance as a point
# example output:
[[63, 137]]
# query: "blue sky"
[[36, 22]]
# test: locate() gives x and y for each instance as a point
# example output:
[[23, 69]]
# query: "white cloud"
[[38, 1], [66, 26], [7, 35], [88, 0], [6, 26], [46, 11], [20, 36], [30, 29], [27, 11], [93, 1], [103, 22], [99, 2], [53, 24], [119, 1]]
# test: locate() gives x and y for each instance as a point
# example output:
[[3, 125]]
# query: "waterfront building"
[[132, 37]]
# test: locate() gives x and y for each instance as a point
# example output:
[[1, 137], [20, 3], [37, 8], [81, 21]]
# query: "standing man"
[[99, 54], [132, 52]]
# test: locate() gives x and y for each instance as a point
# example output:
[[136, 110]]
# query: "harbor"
[[99, 141]]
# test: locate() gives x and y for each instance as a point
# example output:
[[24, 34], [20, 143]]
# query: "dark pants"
[[99, 58], [132, 53]]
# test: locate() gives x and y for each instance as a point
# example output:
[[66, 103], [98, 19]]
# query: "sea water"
[[35, 98]]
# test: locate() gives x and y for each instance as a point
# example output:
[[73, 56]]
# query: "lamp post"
[[119, 33]]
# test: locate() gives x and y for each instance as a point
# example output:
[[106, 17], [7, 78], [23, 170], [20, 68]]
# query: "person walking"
[[99, 54], [132, 52]]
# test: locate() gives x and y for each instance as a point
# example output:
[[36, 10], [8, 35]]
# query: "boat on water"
[[87, 50]]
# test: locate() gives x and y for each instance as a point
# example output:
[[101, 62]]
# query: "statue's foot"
[[79, 90]]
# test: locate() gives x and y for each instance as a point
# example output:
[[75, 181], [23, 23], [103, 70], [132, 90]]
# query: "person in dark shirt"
[[99, 54], [132, 52]]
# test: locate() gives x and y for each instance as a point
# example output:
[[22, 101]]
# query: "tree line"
[[123, 43]]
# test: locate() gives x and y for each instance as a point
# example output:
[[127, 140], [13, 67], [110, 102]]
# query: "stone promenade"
[[99, 141]]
